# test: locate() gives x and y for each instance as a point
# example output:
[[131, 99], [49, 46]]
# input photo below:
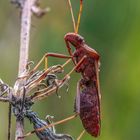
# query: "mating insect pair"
[[87, 62]]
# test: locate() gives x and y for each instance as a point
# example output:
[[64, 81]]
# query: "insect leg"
[[77, 103], [80, 136], [50, 125], [42, 76], [37, 81], [56, 123], [57, 88], [45, 58], [49, 90], [38, 93], [61, 83], [69, 50], [77, 65]]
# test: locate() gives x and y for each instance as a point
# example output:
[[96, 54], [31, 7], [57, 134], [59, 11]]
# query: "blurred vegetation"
[[113, 29]]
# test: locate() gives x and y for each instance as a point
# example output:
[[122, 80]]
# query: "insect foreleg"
[[69, 49], [45, 57], [77, 100]]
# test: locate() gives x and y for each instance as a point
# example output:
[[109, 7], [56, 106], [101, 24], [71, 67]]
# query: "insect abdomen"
[[90, 113]]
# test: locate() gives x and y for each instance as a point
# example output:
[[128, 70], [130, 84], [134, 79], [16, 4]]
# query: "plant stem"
[[19, 129], [25, 35], [2, 99], [24, 51]]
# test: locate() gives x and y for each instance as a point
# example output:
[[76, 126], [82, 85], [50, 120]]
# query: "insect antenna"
[[76, 26], [79, 16], [72, 15]]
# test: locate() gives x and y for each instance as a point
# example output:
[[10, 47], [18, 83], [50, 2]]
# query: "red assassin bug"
[[88, 99]]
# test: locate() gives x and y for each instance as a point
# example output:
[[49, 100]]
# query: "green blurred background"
[[113, 29]]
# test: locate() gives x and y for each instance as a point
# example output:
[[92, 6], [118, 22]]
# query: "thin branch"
[[3, 99], [25, 35], [29, 7], [9, 122], [24, 51], [19, 129]]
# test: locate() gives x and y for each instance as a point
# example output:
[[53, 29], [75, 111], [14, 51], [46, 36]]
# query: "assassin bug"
[[88, 90]]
